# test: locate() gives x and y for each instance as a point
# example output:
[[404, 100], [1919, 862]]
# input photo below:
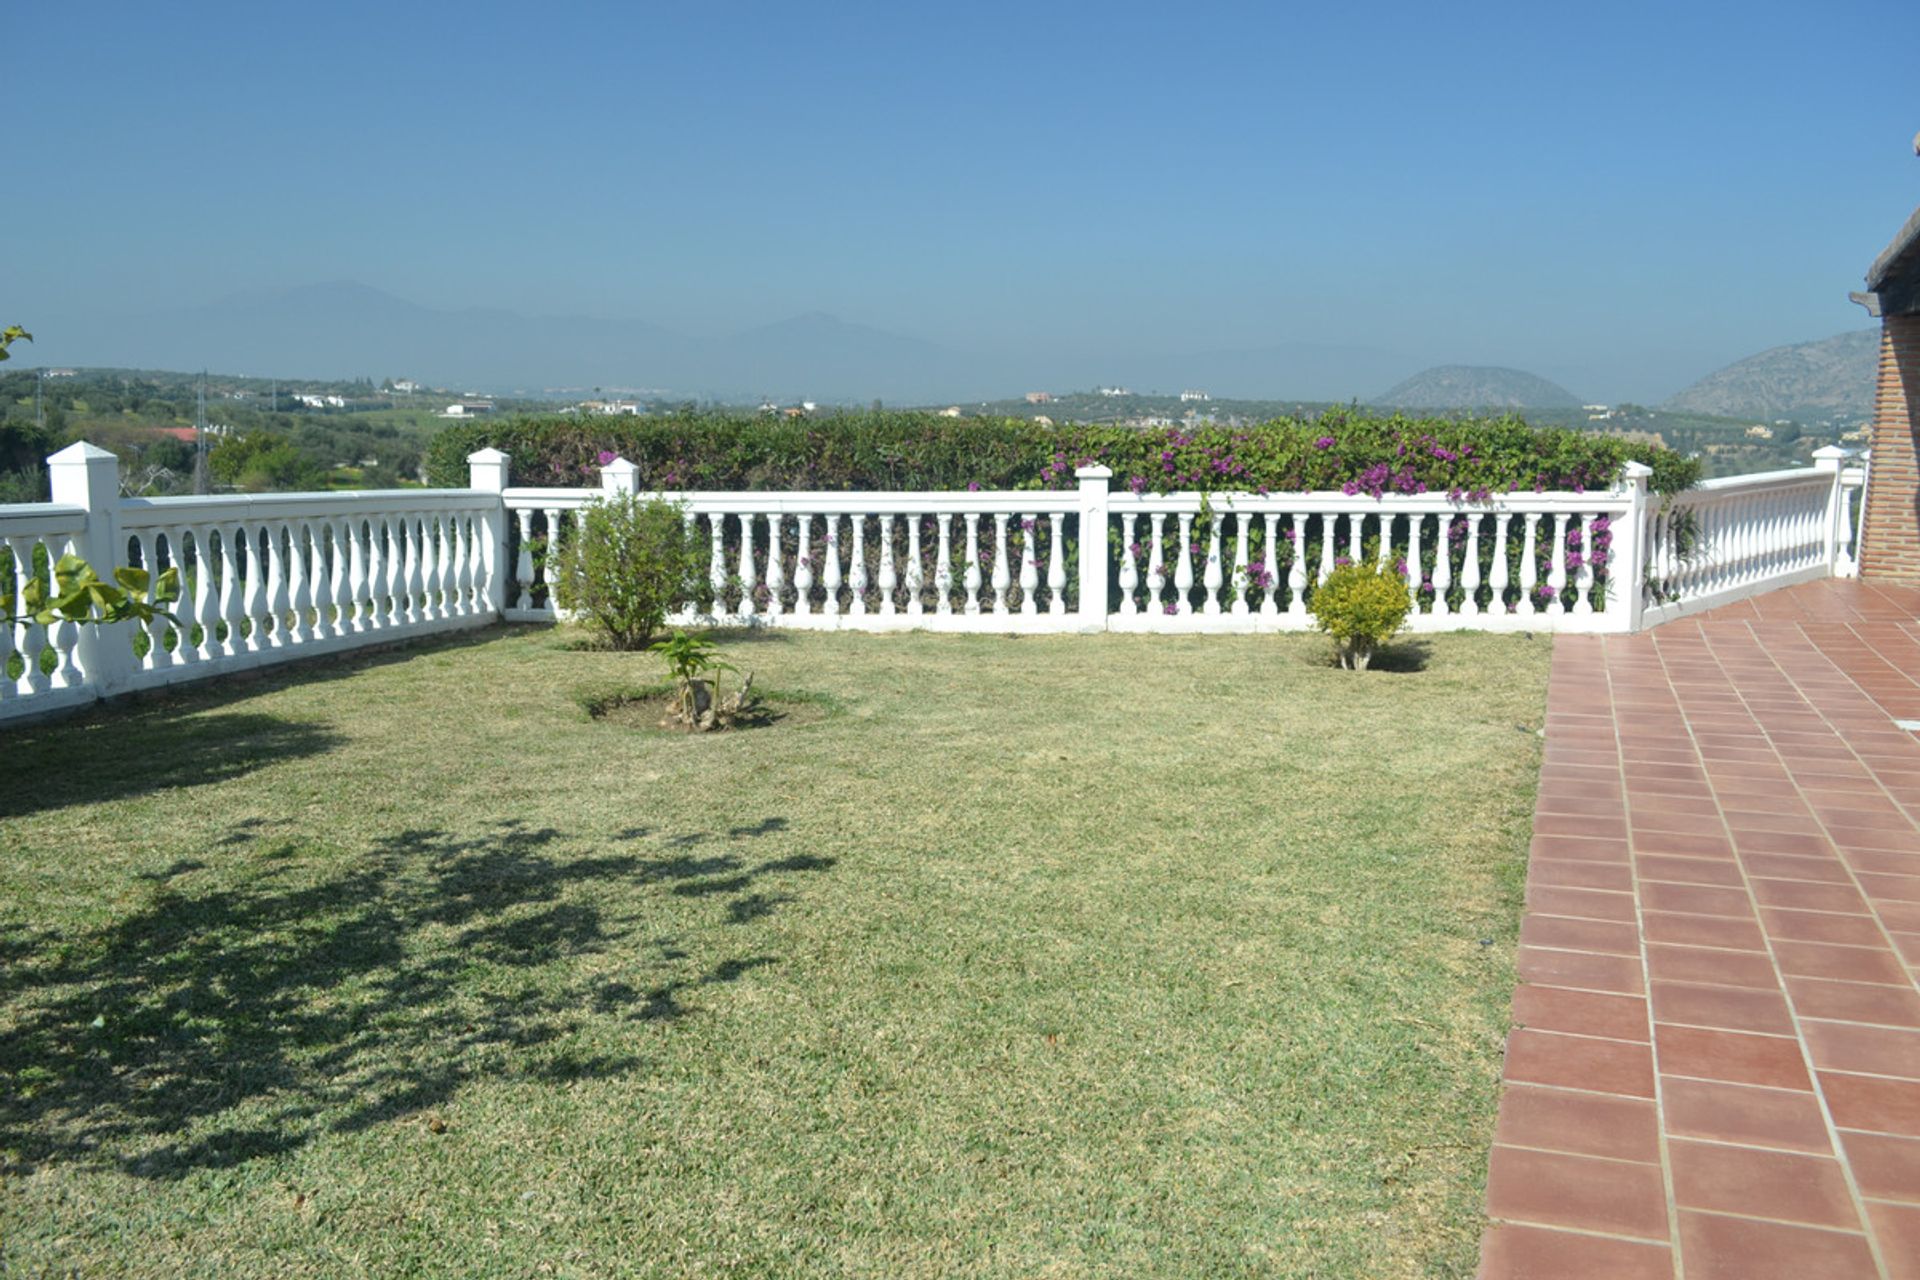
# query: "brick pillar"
[[1890, 529]]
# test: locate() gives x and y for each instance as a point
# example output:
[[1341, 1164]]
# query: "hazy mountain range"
[[1802, 381], [351, 330], [1464, 386]]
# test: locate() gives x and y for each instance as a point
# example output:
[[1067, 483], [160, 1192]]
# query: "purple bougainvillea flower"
[[973, 486], [606, 456], [1324, 442]]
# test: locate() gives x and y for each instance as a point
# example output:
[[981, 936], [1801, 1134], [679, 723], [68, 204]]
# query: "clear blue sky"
[[1618, 196]]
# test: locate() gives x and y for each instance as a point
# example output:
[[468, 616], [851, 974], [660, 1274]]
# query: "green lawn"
[[1052, 956]]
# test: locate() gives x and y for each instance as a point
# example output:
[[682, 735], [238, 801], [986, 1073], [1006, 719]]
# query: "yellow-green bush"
[[1361, 605]]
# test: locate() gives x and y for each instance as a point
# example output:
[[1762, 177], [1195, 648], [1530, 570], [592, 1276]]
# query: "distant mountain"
[[1468, 386], [348, 330], [1289, 370], [1804, 380]]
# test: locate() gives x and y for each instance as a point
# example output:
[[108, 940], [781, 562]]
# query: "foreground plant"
[[625, 568], [695, 664], [1361, 605], [73, 592]]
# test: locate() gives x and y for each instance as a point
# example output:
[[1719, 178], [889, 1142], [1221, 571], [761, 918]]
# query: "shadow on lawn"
[[88, 761], [215, 1025]]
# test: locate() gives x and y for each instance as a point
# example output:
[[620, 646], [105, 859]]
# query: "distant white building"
[[951, 411], [467, 409], [611, 408], [1039, 397], [1190, 396], [320, 401], [407, 386], [1111, 391]]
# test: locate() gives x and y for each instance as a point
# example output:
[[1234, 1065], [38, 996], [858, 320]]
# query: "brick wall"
[[1890, 536]]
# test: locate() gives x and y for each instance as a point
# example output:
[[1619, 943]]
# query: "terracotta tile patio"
[[1714, 1069]]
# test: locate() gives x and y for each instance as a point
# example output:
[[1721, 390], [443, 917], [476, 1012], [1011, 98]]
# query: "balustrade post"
[[85, 475], [1627, 555], [486, 473], [1093, 507], [1835, 544]]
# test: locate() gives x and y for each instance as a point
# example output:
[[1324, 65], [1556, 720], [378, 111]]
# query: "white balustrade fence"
[[272, 577]]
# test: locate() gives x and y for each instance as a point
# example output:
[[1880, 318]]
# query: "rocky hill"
[[1466, 386], [1807, 380]]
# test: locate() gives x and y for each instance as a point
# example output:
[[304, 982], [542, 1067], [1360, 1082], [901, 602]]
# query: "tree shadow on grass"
[[217, 1023], [1403, 657], [81, 762]]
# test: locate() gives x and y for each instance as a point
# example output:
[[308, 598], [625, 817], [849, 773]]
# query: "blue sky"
[[1620, 197]]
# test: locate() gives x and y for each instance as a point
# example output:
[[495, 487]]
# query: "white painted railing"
[[1733, 538], [273, 577], [39, 667], [264, 579]]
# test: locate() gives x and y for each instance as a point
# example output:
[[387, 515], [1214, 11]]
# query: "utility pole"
[[202, 480]]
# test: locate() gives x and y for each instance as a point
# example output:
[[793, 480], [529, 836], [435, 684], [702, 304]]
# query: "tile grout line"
[[1646, 975], [1793, 1013]]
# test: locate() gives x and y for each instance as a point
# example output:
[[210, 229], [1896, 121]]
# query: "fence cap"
[[488, 454], [1831, 452], [81, 451], [1093, 471]]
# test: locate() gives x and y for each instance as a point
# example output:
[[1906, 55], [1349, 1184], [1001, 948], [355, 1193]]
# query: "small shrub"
[[626, 567], [1361, 606]]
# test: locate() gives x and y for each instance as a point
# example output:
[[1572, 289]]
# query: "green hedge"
[[1342, 449]]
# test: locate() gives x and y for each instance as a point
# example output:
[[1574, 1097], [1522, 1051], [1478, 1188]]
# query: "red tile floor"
[[1714, 1069]]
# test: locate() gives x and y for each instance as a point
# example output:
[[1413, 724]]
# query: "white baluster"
[[1414, 575], [776, 571], [399, 552], [11, 586], [1530, 566], [522, 569], [1183, 571], [320, 581], [916, 571], [238, 565], [1129, 562], [65, 635], [889, 578], [186, 650], [972, 580], [1270, 568], [445, 551], [857, 571], [1214, 576], [803, 566], [1297, 566], [272, 619], [1443, 562], [1056, 563], [1354, 523], [1557, 566], [1157, 563], [33, 640], [1583, 581], [1029, 563], [717, 561], [1497, 582], [943, 570], [749, 577], [1002, 577], [1470, 569], [1326, 546], [299, 594], [832, 581]]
